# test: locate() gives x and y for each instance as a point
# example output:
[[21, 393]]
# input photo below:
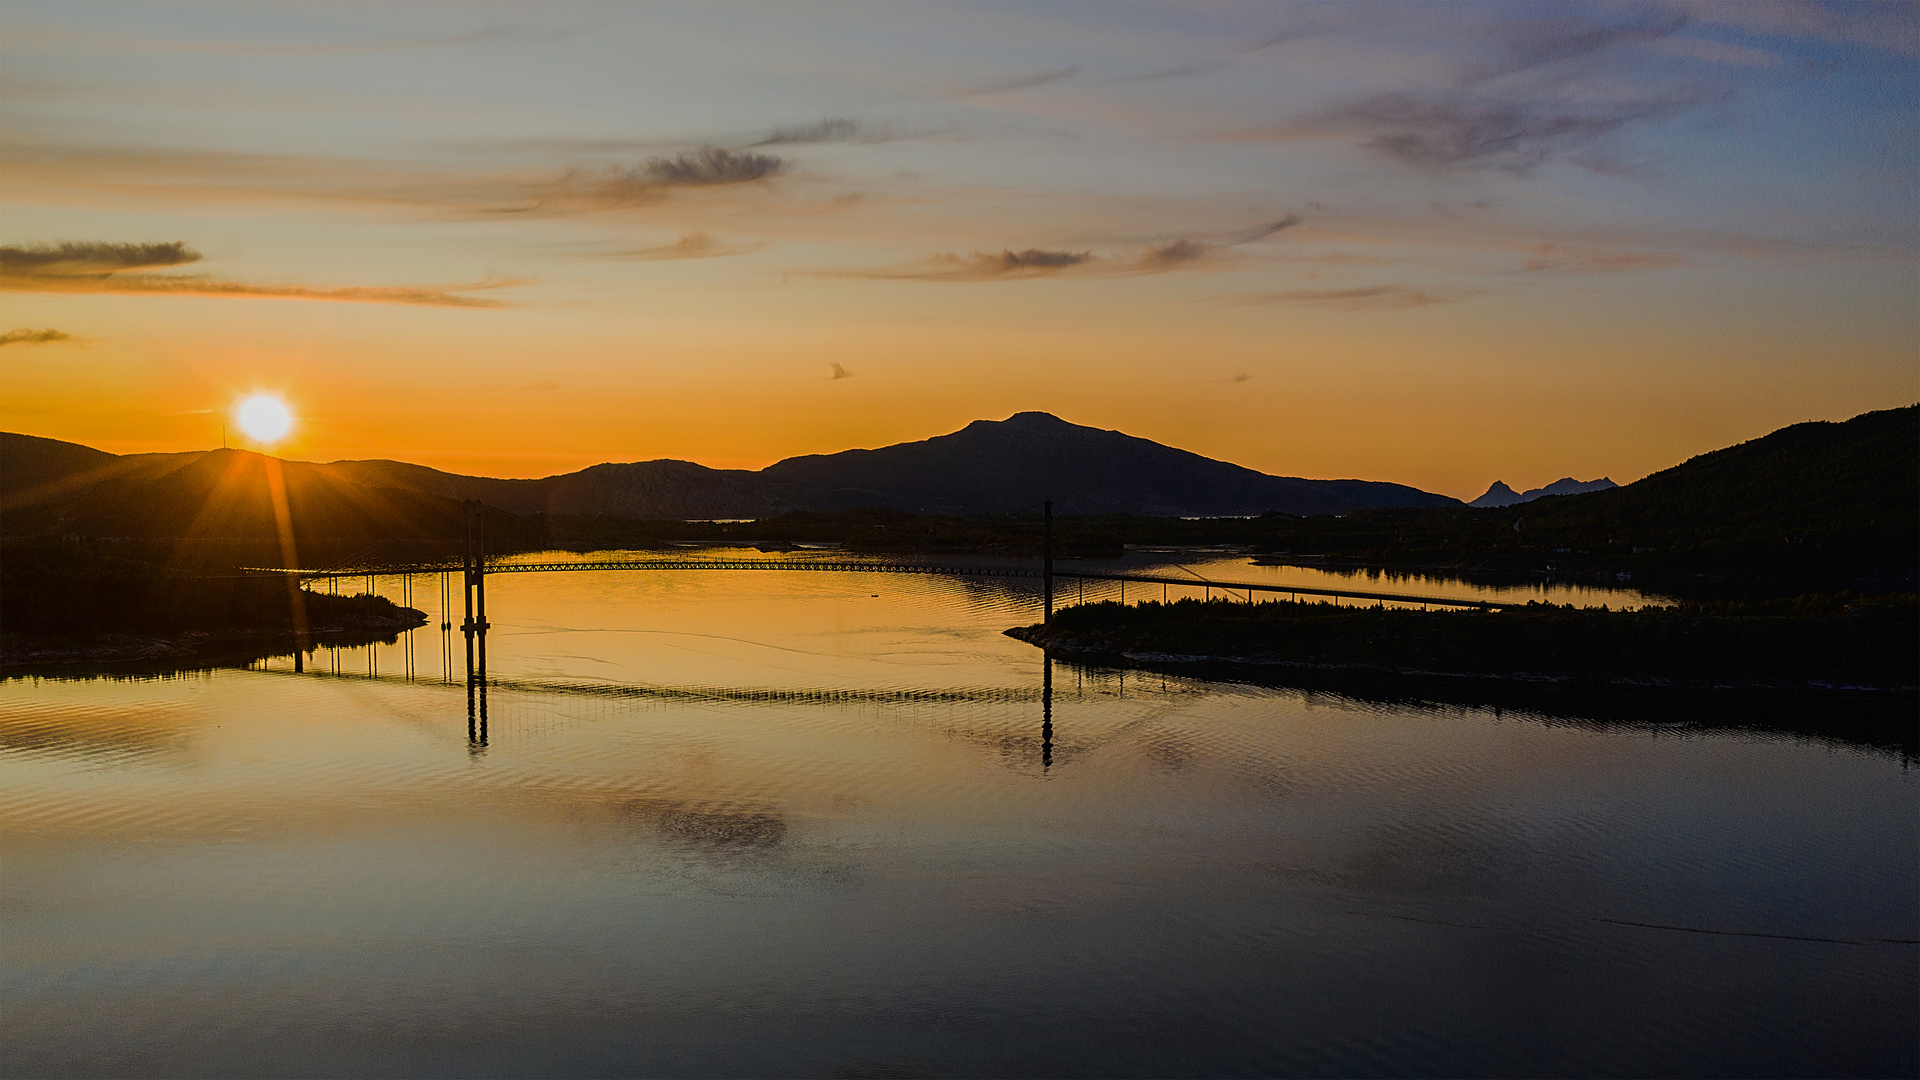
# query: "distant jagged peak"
[[1567, 485], [1502, 495], [1498, 495]]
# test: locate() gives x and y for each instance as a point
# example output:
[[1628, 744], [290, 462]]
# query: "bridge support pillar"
[[474, 593]]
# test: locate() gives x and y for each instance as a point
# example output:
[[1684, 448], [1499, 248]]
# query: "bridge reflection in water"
[[478, 685]]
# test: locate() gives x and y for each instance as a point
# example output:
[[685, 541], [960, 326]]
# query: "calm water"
[[812, 824]]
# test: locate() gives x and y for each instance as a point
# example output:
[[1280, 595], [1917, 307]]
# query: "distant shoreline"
[[1814, 643], [1255, 667]]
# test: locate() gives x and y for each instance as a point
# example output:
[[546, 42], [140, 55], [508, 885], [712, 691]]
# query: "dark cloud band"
[[26, 336], [102, 267]]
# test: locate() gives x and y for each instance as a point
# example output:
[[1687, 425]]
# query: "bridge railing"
[[862, 566]]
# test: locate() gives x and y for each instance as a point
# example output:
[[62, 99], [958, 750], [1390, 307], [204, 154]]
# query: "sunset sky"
[[1433, 244]]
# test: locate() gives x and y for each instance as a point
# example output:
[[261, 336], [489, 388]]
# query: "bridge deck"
[[851, 566]]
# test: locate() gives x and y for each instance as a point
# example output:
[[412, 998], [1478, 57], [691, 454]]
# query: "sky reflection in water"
[[804, 824]]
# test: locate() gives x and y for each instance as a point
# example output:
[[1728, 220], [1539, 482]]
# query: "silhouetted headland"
[[71, 604]]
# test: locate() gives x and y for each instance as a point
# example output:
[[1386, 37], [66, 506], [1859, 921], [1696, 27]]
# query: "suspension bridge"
[[475, 567]]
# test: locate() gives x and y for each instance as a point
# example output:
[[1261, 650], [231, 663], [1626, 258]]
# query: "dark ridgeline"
[[987, 467], [1005, 466], [1833, 502], [222, 508]]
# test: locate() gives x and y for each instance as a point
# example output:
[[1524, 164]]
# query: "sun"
[[264, 418]]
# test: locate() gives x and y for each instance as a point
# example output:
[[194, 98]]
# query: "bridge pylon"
[[474, 592]]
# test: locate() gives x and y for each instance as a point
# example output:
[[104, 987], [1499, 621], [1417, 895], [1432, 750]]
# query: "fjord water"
[[835, 824]]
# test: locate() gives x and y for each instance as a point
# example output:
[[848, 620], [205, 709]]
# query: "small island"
[[1822, 643]]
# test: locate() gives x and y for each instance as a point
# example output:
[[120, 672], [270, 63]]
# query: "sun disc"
[[264, 418]]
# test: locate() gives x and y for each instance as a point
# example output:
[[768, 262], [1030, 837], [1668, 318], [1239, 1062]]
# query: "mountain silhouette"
[[987, 467], [1014, 464]]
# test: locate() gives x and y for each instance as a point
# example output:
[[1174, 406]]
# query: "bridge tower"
[[474, 574]]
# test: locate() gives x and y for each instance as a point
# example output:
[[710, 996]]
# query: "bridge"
[[475, 568], [845, 566]]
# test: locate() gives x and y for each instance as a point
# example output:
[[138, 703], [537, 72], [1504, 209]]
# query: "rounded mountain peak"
[[1027, 420]]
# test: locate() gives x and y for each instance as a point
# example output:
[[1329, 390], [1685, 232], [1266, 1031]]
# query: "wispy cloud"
[[103, 267], [1029, 263], [830, 130], [1023, 82], [693, 245], [1883, 27], [226, 177], [544, 30], [1535, 89], [1514, 135], [1178, 255], [706, 167], [1005, 265], [1267, 230], [1369, 298], [1554, 260], [90, 259], [1527, 44], [446, 296], [25, 336], [1176, 71], [840, 129], [617, 186]]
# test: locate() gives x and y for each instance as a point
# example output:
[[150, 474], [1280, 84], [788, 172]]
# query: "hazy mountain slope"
[[665, 488], [232, 495], [517, 496], [1016, 463], [674, 489], [36, 470]]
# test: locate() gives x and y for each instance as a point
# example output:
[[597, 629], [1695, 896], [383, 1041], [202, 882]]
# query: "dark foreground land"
[[67, 606]]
